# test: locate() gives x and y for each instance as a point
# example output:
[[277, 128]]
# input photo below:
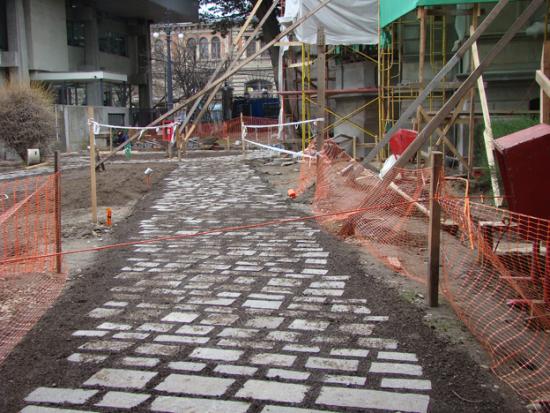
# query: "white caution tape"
[[280, 150]]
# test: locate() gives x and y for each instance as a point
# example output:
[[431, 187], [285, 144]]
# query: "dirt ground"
[[447, 350], [283, 174]]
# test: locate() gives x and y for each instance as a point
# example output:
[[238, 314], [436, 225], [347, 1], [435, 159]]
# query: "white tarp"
[[345, 21]]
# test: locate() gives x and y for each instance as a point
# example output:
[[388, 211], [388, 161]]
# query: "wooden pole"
[[321, 87], [110, 139], [488, 132], [471, 132], [58, 246], [243, 135], [93, 189], [421, 61], [542, 78], [228, 74], [411, 109], [434, 235], [354, 147]]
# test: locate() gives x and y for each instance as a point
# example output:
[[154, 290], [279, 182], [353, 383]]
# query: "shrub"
[[26, 118]]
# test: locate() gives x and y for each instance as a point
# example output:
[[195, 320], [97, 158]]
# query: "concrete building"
[[206, 48], [90, 52]]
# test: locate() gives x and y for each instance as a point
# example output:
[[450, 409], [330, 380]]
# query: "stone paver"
[[230, 320]]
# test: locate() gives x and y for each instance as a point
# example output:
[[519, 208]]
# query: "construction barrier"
[[28, 228], [495, 264]]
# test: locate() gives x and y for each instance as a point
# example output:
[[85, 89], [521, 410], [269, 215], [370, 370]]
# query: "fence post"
[[434, 236], [58, 248], [243, 135], [93, 192]]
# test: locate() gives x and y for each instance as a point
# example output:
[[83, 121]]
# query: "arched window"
[[216, 47], [192, 48], [203, 48], [251, 48]]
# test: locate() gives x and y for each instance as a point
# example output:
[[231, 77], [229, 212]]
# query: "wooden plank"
[[411, 109], [421, 63], [228, 74], [488, 132], [434, 234], [93, 190], [321, 87]]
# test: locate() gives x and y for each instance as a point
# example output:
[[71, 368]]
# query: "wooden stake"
[[434, 235], [321, 87], [242, 135], [58, 246], [93, 189], [471, 132], [421, 61], [110, 139]]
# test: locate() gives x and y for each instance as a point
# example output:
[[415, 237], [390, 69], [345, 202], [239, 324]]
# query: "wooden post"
[[471, 132], [544, 97], [58, 247], [93, 189], [354, 147], [321, 87], [421, 61], [243, 135], [110, 139], [434, 235]]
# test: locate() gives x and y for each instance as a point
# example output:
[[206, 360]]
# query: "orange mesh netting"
[[28, 228], [495, 263], [232, 129]]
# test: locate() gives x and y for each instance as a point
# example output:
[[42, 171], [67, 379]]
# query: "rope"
[[202, 233], [272, 125], [275, 149]]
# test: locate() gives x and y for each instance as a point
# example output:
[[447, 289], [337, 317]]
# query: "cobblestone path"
[[248, 321]]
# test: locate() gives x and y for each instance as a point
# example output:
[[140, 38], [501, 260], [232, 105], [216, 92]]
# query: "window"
[[251, 48], [3, 26], [192, 48], [114, 43], [76, 33], [216, 48], [203, 48]]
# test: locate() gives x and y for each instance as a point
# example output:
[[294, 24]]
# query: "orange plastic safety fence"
[[495, 263], [27, 229], [232, 129]]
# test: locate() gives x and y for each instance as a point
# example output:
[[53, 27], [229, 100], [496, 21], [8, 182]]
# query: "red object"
[[291, 193], [167, 132], [401, 140], [523, 159]]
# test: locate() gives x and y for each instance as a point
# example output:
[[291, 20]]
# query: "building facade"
[[89, 52], [196, 42]]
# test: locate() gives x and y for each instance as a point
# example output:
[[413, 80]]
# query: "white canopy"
[[345, 21]]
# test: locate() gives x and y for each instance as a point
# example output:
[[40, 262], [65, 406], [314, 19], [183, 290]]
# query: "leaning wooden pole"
[[227, 75], [411, 109], [321, 86]]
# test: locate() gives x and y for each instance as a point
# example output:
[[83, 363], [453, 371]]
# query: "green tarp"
[[391, 10]]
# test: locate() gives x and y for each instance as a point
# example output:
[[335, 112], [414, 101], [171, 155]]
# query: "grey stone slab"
[[273, 391], [120, 378], [186, 366], [122, 400], [373, 399], [273, 359], [396, 368], [324, 363], [60, 395], [197, 405], [407, 384], [140, 361], [43, 409], [195, 385], [209, 353], [235, 370]]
